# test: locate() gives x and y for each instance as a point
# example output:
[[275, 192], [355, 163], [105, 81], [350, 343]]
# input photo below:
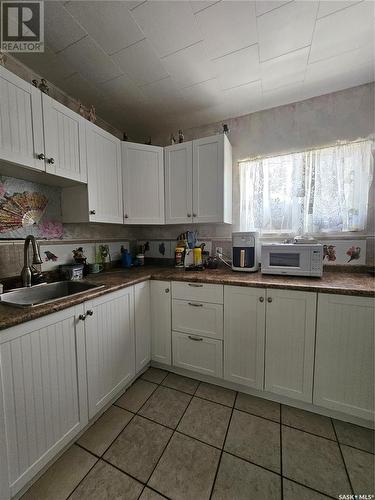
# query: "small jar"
[[140, 259]]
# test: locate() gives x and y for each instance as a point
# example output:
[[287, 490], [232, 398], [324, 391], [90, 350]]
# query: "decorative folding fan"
[[21, 209]]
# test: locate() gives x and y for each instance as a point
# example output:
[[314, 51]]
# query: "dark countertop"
[[346, 283]]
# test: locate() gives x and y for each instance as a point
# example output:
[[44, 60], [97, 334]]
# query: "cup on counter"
[[95, 268]]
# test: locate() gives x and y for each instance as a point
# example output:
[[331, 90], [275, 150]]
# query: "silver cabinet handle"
[[195, 285], [89, 312], [51, 160], [167, 290], [196, 339], [126, 216], [269, 299], [82, 317], [41, 156], [195, 305], [92, 212], [261, 299]]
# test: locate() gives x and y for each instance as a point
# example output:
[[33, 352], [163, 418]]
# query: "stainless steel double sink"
[[45, 293]]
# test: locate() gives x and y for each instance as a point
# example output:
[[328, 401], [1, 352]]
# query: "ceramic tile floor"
[[173, 437]]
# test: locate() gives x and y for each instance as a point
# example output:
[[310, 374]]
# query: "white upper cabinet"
[[344, 360], [65, 140], [143, 183], [198, 181], [178, 162], [21, 127], [290, 339], [212, 179]]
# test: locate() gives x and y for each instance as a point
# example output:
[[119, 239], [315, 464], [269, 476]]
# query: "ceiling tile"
[[336, 34], [287, 69], [283, 95], [263, 6], [140, 63], [163, 91], [198, 5], [330, 6], [238, 67], [168, 25], [285, 29], [242, 100], [90, 61], [122, 89], [47, 64], [61, 29], [81, 89], [203, 94], [189, 66], [228, 26], [97, 16]]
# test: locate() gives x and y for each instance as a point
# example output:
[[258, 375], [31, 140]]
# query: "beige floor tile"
[[240, 480], [254, 439], [166, 406], [206, 421], [313, 461], [183, 384], [186, 470], [154, 375], [258, 406], [354, 435], [149, 494], [308, 421], [139, 447], [216, 394], [361, 469], [294, 491], [136, 395], [104, 482], [63, 476], [105, 430]]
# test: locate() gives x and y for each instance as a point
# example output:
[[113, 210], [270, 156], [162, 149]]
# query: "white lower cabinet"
[[197, 318], [142, 323], [161, 349], [290, 338], [344, 364], [43, 399], [244, 334], [109, 327], [200, 354]]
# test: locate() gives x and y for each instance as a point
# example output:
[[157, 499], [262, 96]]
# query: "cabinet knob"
[[167, 290], [189, 215], [269, 299], [89, 312], [194, 215], [261, 299], [82, 317], [41, 156], [126, 216], [51, 160], [92, 212]]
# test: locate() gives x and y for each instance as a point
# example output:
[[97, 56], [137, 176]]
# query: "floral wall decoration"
[[29, 208]]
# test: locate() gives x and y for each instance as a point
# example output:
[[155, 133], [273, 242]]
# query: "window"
[[319, 191]]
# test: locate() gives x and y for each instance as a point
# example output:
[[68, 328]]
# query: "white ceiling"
[[154, 65]]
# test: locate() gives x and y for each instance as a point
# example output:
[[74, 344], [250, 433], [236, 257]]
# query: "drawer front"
[[202, 292], [197, 318], [198, 354]]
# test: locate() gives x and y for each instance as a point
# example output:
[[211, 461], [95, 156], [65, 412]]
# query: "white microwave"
[[292, 259]]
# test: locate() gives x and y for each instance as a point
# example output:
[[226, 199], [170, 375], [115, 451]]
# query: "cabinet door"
[[110, 346], [103, 176], [178, 165], [244, 333], [197, 318], [344, 360], [290, 338], [143, 183], [21, 127], [65, 140], [161, 322], [43, 398], [142, 308]]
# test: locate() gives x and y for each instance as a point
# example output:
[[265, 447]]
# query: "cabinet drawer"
[[198, 318], [199, 354], [202, 292]]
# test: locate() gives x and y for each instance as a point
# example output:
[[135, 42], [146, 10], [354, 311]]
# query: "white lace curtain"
[[324, 190]]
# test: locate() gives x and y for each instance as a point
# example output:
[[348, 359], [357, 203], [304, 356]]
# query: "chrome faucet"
[[26, 272]]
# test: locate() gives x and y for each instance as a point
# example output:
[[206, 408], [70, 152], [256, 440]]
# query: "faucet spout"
[[26, 273]]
